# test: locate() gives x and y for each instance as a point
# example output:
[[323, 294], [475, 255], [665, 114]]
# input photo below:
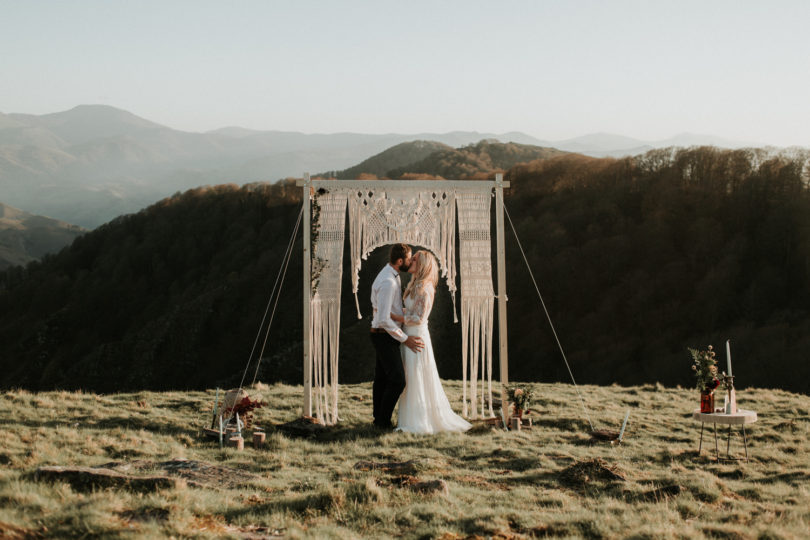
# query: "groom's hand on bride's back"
[[414, 343]]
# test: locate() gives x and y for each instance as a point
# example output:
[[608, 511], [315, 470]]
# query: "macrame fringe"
[[357, 305], [325, 341]]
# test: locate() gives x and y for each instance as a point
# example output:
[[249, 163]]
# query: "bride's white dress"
[[423, 406]]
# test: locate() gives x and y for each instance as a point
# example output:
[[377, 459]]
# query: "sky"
[[647, 69]]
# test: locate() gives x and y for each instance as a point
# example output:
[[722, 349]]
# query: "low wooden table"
[[740, 418]]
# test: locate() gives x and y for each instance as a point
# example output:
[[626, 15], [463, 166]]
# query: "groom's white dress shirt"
[[386, 297]]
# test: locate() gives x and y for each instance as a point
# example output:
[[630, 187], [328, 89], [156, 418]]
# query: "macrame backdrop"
[[418, 217], [327, 273], [477, 299], [424, 218]]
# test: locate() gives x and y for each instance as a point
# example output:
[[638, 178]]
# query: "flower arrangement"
[[704, 364], [521, 397], [244, 408]]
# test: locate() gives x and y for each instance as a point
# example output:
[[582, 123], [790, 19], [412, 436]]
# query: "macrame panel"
[[328, 226], [424, 218], [477, 301]]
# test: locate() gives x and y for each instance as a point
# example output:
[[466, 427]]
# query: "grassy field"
[[549, 481]]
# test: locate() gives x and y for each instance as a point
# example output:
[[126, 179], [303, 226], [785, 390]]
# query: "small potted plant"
[[520, 397], [704, 364]]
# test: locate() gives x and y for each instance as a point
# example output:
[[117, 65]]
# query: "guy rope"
[[551, 324], [274, 296]]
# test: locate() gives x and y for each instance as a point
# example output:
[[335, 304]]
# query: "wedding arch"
[[416, 212]]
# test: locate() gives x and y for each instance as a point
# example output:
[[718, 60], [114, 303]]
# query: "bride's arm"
[[422, 303], [397, 318]]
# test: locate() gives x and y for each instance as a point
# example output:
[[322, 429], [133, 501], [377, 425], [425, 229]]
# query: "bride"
[[423, 406]]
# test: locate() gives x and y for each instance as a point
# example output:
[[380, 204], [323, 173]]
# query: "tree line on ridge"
[[637, 259]]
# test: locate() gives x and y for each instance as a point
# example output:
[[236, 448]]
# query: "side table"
[[740, 418]]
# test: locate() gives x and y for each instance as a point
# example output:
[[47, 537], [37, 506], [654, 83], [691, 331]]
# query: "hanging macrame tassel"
[[455, 316], [475, 333], [324, 411], [334, 344], [490, 305], [357, 304], [464, 355], [316, 360]]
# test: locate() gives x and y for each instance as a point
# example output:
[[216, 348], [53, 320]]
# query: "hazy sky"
[[553, 69]]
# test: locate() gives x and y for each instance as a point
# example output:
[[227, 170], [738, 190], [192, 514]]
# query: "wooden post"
[[258, 439], [503, 355], [237, 442], [307, 292]]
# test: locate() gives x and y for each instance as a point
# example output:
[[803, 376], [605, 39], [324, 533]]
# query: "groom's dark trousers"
[[389, 377]]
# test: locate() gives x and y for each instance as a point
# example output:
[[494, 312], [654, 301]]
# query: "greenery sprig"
[[317, 264], [704, 364]]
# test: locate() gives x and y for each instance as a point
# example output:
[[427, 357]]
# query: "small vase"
[[518, 412], [707, 402]]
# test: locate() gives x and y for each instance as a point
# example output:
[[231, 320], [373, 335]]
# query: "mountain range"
[[92, 163], [26, 237], [426, 159]]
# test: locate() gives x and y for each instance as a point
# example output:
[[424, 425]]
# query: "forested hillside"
[[471, 160], [642, 257], [396, 156], [26, 237], [167, 297], [430, 159], [637, 259]]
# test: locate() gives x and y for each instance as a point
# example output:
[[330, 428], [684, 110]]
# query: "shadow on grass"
[[337, 433], [86, 422], [322, 501], [795, 478], [474, 529], [563, 424], [515, 464]]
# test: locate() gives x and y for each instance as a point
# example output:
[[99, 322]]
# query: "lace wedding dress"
[[423, 406]]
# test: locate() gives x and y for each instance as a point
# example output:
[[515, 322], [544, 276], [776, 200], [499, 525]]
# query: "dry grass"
[[549, 481]]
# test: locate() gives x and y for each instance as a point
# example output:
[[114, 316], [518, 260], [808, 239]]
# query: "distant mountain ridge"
[[612, 145], [95, 162], [88, 122], [392, 158], [26, 237], [426, 159], [92, 163], [475, 160]]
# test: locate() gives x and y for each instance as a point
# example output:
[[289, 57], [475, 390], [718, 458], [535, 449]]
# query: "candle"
[[728, 356]]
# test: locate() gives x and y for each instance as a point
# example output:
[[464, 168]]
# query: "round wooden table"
[[739, 418]]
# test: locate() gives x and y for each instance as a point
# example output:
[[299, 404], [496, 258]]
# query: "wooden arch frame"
[[309, 186]]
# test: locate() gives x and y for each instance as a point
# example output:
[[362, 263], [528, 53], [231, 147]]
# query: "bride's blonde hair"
[[427, 271]]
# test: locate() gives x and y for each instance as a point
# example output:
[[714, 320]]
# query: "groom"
[[386, 335]]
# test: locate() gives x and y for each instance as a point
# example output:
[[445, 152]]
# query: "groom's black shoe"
[[384, 426]]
